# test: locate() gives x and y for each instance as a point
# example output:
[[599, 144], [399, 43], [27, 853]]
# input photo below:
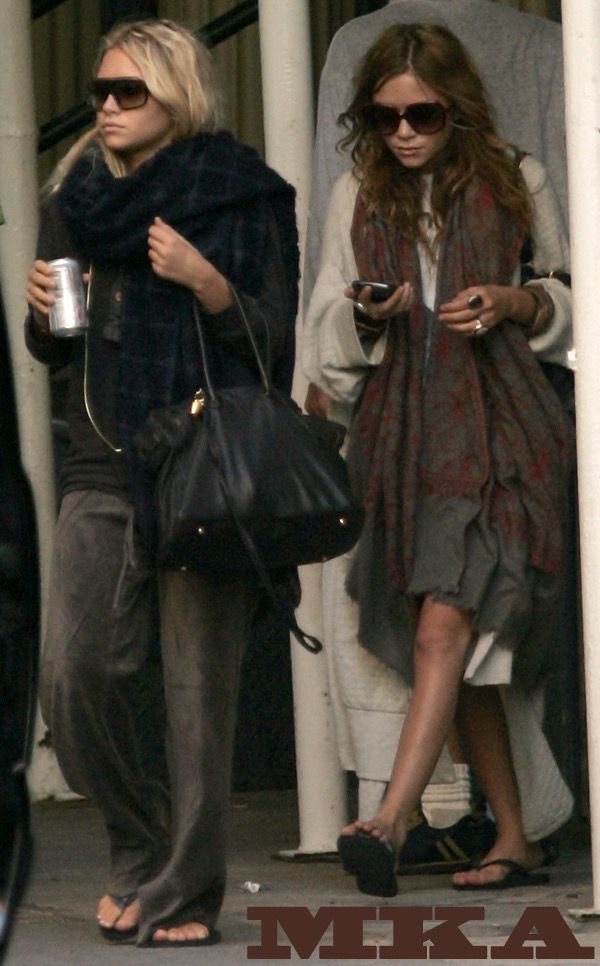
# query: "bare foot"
[[529, 855], [112, 916], [380, 827], [189, 930]]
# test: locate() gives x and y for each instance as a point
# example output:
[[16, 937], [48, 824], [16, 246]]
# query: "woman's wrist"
[[530, 306], [366, 326], [213, 294], [540, 312]]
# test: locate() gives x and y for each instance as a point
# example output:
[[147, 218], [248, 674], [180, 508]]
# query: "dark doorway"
[[367, 6], [115, 10]]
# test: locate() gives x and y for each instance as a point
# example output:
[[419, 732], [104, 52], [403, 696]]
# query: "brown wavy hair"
[[439, 60]]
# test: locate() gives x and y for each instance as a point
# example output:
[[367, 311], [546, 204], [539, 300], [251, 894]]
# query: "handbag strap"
[[280, 605], [262, 368]]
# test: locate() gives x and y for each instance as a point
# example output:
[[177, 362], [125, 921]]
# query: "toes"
[[374, 828], [353, 828], [189, 930], [378, 830], [112, 916], [108, 912], [492, 873], [460, 879], [195, 930], [463, 878], [130, 916]]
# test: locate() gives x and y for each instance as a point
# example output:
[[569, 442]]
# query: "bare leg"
[[442, 639], [482, 725]]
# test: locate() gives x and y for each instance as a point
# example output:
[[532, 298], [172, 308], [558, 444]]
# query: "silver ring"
[[480, 328], [361, 308]]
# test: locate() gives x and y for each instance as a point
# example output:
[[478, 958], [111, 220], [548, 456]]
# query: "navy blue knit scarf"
[[219, 195]]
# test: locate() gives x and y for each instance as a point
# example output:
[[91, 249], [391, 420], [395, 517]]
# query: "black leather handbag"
[[245, 480]]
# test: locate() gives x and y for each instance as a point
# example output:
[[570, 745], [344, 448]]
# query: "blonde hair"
[[178, 71]]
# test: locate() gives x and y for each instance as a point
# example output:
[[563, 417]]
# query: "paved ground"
[[56, 924]]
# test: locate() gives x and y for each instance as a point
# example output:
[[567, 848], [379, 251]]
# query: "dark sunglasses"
[[424, 117], [128, 92]]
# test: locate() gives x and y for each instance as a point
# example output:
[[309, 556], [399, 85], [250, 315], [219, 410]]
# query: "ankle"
[[397, 823]]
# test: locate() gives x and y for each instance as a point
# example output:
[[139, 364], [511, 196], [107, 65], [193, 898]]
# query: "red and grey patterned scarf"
[[477, 420]]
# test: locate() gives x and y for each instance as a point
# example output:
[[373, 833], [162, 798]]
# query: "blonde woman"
[[141, 664], [458, 443]]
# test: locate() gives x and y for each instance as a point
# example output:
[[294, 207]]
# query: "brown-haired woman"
[[458, 443]]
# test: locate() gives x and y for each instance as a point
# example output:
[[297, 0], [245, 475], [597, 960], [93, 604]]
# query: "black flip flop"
[[516, 877], [113, 935], [213, 937], [371, 861]]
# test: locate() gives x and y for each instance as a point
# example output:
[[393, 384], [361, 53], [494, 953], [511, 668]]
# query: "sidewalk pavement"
[[56, 924]]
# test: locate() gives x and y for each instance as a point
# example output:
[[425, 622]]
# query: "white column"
[[288, 116], [19, 200], [581, 39]]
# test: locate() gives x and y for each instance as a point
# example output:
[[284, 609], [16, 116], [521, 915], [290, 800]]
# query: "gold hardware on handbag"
[[198, 403]]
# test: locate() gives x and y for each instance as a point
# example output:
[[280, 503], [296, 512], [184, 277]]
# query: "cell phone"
[[380, 291]]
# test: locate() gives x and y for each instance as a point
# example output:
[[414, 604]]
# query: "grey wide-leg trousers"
[[139, 687]]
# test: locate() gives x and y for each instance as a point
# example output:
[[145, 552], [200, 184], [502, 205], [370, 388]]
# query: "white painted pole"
[[581, 40], [19, 200], [288, 117]]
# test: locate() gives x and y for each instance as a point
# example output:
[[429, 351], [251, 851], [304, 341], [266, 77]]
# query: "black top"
[[90, 462]]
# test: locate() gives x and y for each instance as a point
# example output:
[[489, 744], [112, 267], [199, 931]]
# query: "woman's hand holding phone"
[[379, 300]]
